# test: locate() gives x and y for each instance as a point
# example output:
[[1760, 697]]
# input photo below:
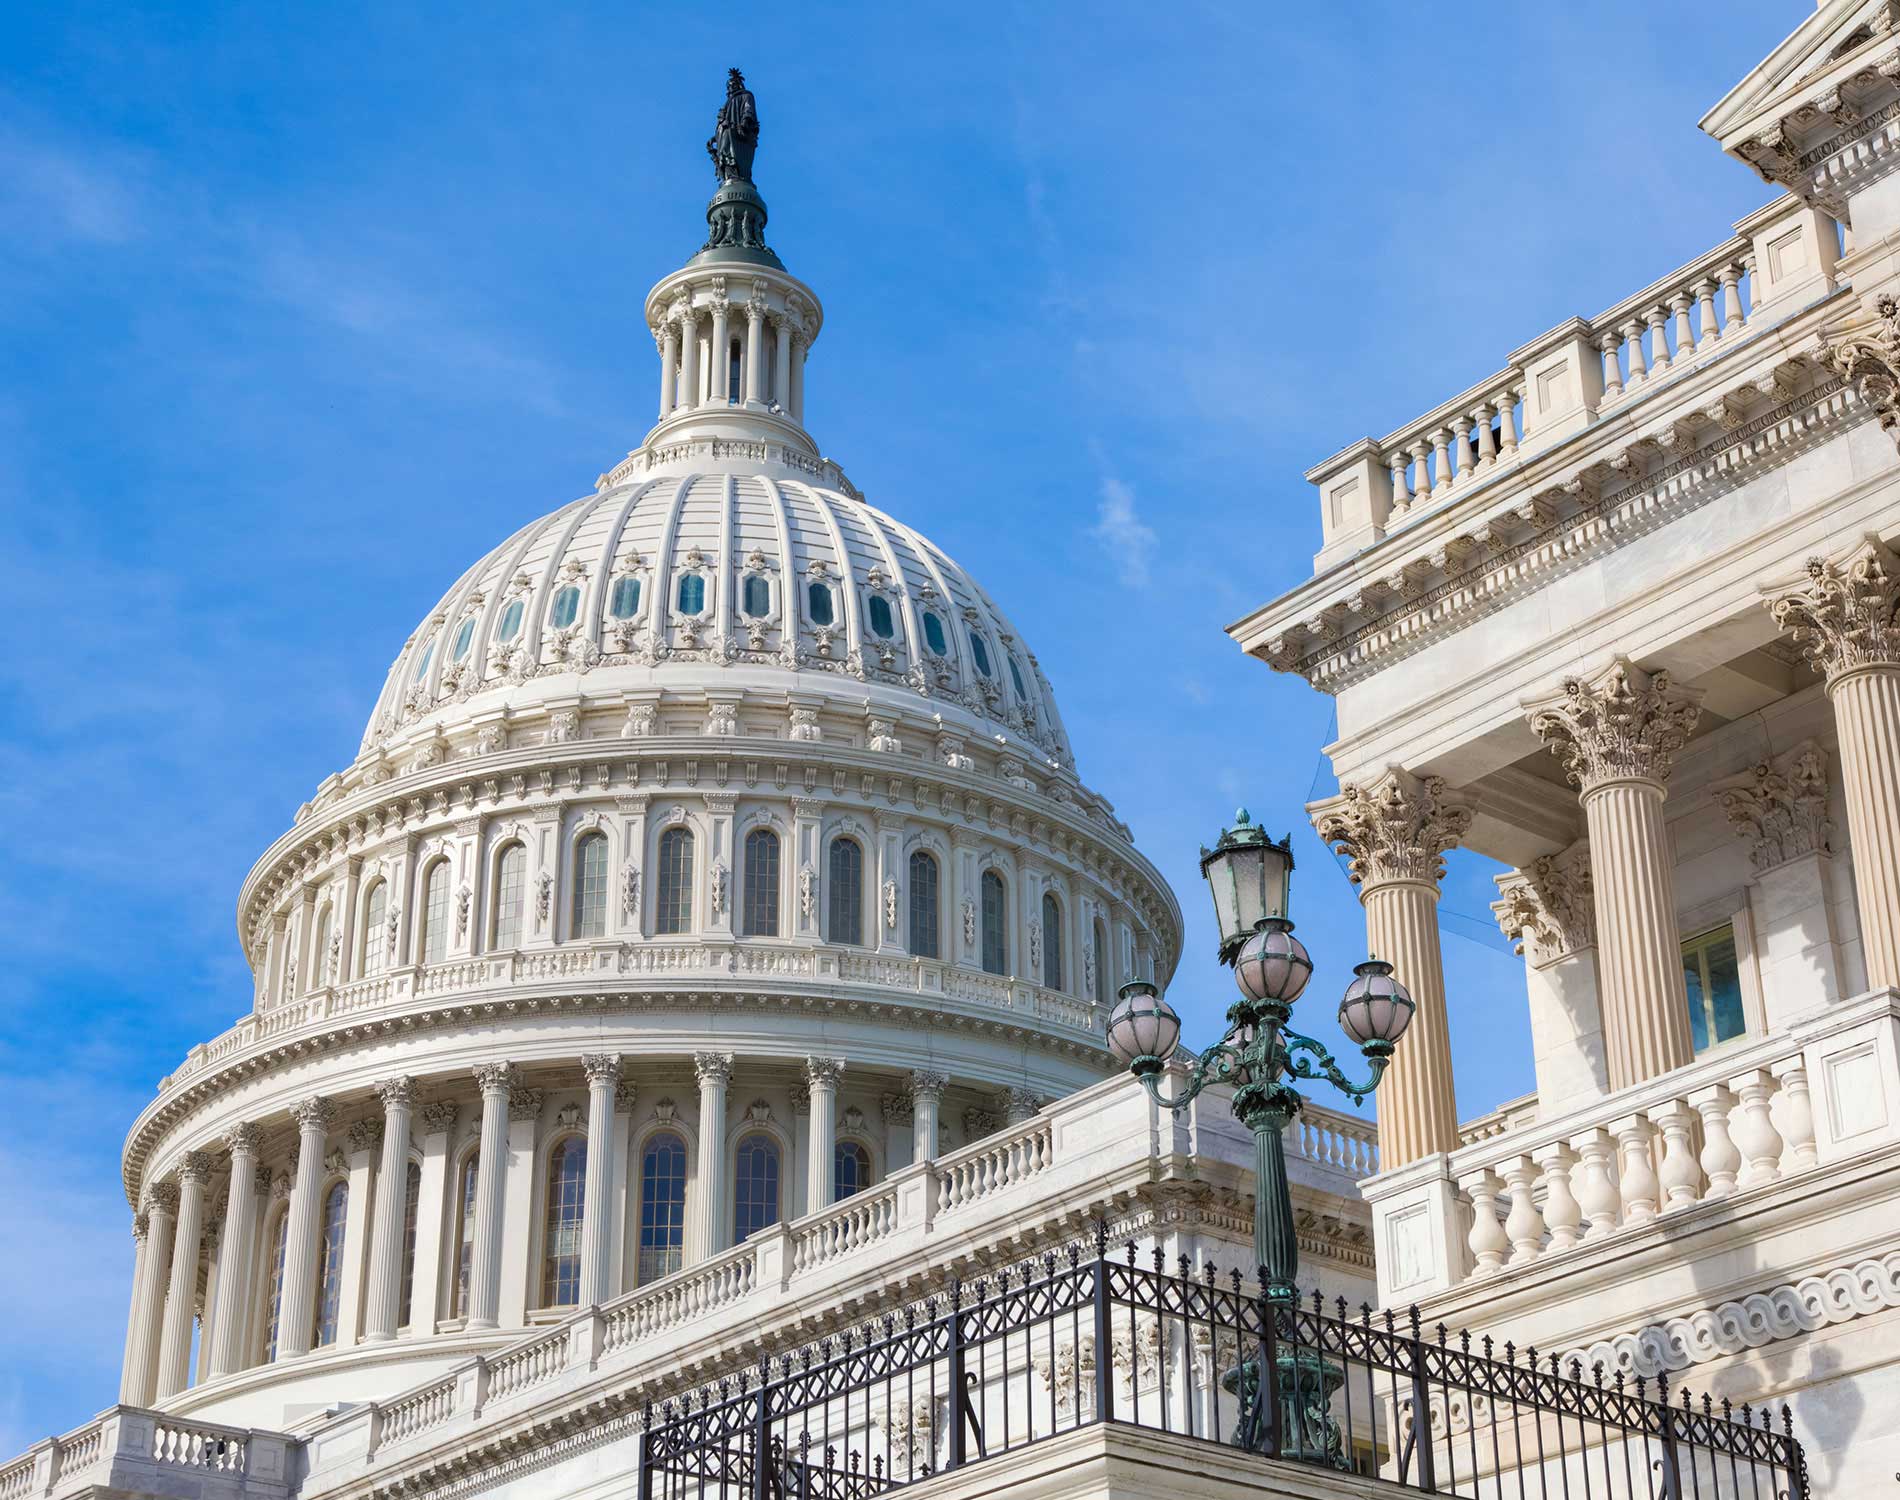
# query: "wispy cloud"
[[54, 194], [1128, 540]]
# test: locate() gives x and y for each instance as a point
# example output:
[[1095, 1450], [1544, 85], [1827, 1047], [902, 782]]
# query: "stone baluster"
[[235, 1272], [384, 1313], [174, 1352], [1754, 1131], [295, 1323], [497, 1082], [1747, 305], [1658, 340], [1720, 1159], [1422, 456], [1507, 425], [1398, 462], [1680, 1176], [1797, 1115], [1730, 277], [1461, 449], [707, 1203], [1443, 474], [139, 1381], [1487, 1238], [1617, 734], [1523, 1226], [1636, 1177], [1633, 347], [926, 1093], [597, 1214], [1706, 315], [1844, 615], [1562, 1213], [1487, 439], [669, 341], [1609, 343], [1596, 1190], [1394, 833], [1679, 306]]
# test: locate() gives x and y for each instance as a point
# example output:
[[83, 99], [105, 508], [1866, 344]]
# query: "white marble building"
[[1624, 616]]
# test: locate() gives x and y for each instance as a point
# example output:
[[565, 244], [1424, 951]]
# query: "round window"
[[510, 626]]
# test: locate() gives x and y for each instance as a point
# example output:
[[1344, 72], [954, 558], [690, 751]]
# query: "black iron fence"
[[1086, 1336]]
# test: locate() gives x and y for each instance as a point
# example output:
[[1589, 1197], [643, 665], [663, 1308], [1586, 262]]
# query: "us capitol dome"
[[714, 849]]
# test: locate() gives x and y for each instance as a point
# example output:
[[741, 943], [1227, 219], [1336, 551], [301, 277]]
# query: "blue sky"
[[304, 309]]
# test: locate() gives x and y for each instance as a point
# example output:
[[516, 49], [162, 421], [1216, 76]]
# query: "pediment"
[[1841, 39]]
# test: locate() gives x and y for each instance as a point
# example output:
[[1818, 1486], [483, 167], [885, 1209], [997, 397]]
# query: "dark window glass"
[[755, 1187], [567, 604], [412, 1196], [761, 884], [673, 900], [463, 637], [924, 939], [845, 901], [1100, 942], [465, 1233], [755, 597], [1016, 676], [662, 1206], [933, 635], [1712, 975], [590, 886], [820, 596], [692, 594], [851, 1170], [981, 652], [879, 610], [995, 916], [1051, 942], [624, 602], [567, 1206], [510, 625], [336, 1213]]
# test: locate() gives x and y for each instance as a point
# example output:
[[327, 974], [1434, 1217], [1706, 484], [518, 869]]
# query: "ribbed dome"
[[667, 580]]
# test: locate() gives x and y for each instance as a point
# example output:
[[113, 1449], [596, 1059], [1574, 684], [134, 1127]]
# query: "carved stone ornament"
[[823, 1072], [243, 1140], [568, 1117], [804, 725], [626, 1095], [882, 737], [639, 722], [978, 1123], [313, 1115], [1846, 612], [601, 1068], [712, 1068], [1868, 359], [439, 1117], [897, 1109], [396, 1093], [1623, 724], [463, 897], [758, 1112], [807, 891], [969, 922], [890, 905], [1780, 806], [1397, 828], [665, 1111], [366, 1135], [543, 898], [1549, 908], [524, 1103], [195, 1166], [496, 1077], [722, 721], [720, 880]]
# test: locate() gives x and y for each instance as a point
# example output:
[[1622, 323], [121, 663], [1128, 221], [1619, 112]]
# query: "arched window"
[[933, 635], [1099, 941], [464, 637], [336, 1214], [924, 939], [624, 602], [511, 884], [590, 886], [320, 974], [465, 1229], [755, 597], [981, 652], [692, 593], [995, 919], [375, 941], [818, 596], [761, 884], [845, 896], [412, 1197], [1016, 677], [755, 1187], [662, 1206], [275, 1303], [878, 611], [851, 1170], [435, 913], [567, 604], [510, 625], [673, 896], [1051, 941], [567, 1204]]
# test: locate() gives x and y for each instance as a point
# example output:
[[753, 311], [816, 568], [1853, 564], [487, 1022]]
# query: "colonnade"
[[404, 1264], [684, 386], [1617, 734]]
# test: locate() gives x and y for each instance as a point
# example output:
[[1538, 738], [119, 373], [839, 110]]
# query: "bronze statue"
[[736, 132]]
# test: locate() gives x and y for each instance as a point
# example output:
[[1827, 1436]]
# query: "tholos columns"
[[1617, 735], [755, 350], [702, 1238], [669, 340], [384, 1313], [497, 1081], [1394, 834], [234, 1261], [138, 1287], [174, 1350], [926, 1095], [1843, 616], [141, 1354], [689, 355], [782, 362], [295, 1323], [720, 352], [822, 1074], [603, 1078]]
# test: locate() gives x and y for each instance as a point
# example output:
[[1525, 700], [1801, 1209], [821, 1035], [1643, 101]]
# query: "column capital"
[[713, 1068], [1395, 828], [1548, 908], [927, 1085], [366, 1135], [140, 1227], [439, 1117], [524, 1103], [195, 1168], [1624, 724], [495, 1078], [626, 1095], [162, 1197], [897, 1109], [314, 1113], [1023, 1104], [243, 1140], [1844, 612], [823, 1072], [397, 1093], [1779, 807], [602, 1068]]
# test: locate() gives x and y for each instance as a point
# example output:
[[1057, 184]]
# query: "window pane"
[[1100, 942], [422, 662], [464, 637], [336, 1212], [755, 1187], [510, 625], [590, 886], [1016, 676], [846, 897], [511, 876], [375, 941], [851, 1170], [465, 1234], [662, 1206], [756, 597], [1051, 942], [567, 604], [692, 594], [276, 1285], [673, 900], [760, 918], [1711, 974], [981, 652], [923, 906], [561, 1246], [412, 1196], [625, 601], [995, 911], [435, 913], [879, 610], [933, 634]]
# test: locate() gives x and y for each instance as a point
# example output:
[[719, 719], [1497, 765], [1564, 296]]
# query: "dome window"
[[567, 604], [422, 662], [464, 638], [624, 602], [1016, 676], [510, 626], [756, 597], [819, 598], [692, 594], [879, 610], [981, 652], [933, 635]]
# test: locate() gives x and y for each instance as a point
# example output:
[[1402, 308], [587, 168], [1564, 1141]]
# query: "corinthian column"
[[715, 1071], [497, 1081], [234, 1262], [1394, 834], [174, 1353], [385, 1312], [132, 1315], [140, 1376], [294, 1322], [926, 1097], [603, 1078], [1617, 735], [1843, 616], [822, 1074]]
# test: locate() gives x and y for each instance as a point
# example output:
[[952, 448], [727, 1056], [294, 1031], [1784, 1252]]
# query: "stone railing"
[[1331, 1139], [130, 1450], [1511, 1115], [1729, 1128]]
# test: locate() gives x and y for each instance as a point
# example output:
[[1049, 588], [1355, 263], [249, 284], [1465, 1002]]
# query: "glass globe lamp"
[[1375, 1009], [1273, 965], [1142, 1028]]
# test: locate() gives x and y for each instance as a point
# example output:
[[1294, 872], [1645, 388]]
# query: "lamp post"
[[1249, 875]]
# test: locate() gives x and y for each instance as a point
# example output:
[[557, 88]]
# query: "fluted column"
[[497, 1081], [140, 1377], [234, 1260], [1617, 735], [383, 1314], [174, 1350], [755, 349], [294, 1325], [132, 1311], [603, 1078], [782, 361], [1394, 834], [721, 351], [926, 1095], [822, 1074], [689, 355], [1842, 615], [714, 1070], [669, 341]]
